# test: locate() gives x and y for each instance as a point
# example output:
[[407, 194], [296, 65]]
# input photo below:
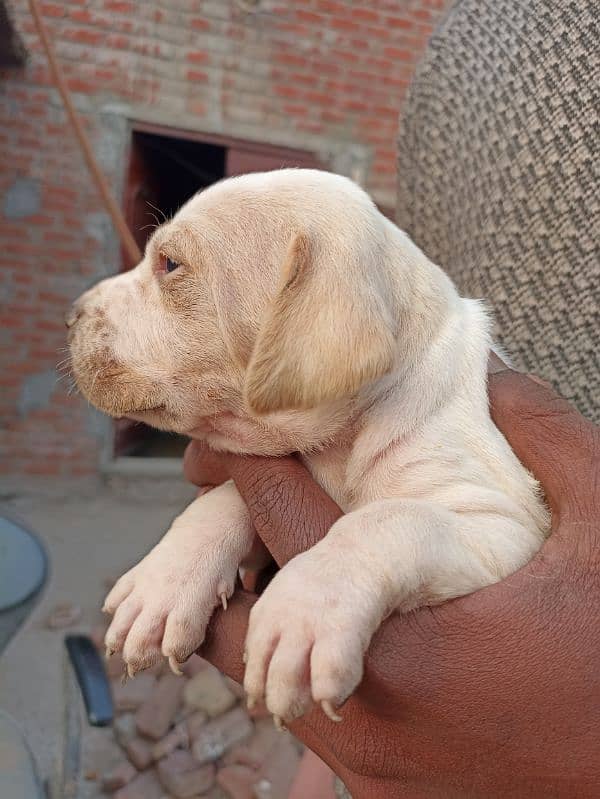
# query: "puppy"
[[281, 312]]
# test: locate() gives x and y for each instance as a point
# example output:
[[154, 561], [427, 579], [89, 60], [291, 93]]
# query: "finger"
[[289, 510], [203, 467], [548, 436]]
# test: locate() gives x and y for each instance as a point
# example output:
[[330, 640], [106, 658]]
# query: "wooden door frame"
[[262, 148]]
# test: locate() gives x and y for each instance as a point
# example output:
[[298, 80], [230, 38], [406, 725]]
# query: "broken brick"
[[146, 786], [313, 778], [278, 771], [124, 728], [208, 691], [193, 665], [139, 752], [238, 781], [236, 688], [180, 736], [255, 750], [154, 717], [119, 776], [183, 777], [220, 734], [133, 693]]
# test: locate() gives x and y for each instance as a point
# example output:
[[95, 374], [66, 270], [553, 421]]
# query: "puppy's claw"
[[224, 600], [124, 677], [329, 711], [278, 722], [174, 666], [131, 671]]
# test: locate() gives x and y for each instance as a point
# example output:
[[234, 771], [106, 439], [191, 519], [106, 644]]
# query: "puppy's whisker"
[[161, 212]]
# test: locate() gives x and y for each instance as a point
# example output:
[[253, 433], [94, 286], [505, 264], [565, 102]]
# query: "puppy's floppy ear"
[[326, 333]]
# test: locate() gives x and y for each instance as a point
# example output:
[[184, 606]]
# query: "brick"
[[238, 781], [398, 54], [256, 749], [120, 6], [52, 10], [196, 75], [220, 734], [182, 777], [139, 753], [198, 57], [313, 778], [154, 717], [199, 24], [124, 728], [235, 688], [119, 776], [146, 786], [132, 694], [399, 22], [209, 692], [364, 15], [181, 735], [278, 771]]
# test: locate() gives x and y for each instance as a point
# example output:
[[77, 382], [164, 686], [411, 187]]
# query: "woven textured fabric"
[[499, 172]]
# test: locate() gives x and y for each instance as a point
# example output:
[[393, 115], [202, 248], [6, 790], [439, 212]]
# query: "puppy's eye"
[[168, 264]]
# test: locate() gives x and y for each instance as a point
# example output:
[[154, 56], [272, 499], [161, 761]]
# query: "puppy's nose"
[[72, 315]]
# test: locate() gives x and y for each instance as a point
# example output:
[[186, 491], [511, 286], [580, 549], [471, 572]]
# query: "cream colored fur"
[[301, 319]]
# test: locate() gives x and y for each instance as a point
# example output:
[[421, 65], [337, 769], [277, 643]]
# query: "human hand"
[[492, 695]]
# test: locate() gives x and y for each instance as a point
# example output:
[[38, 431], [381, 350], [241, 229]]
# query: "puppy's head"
[[265, 304]]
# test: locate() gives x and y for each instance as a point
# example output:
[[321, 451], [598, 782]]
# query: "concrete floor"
[[90, 541]]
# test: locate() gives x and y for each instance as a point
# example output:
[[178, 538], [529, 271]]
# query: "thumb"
[[558, 445]]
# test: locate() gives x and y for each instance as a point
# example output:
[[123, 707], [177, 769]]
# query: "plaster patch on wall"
[[22, 199], [36, 391]]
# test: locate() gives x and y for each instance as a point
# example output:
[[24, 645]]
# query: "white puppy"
[[277, 313]]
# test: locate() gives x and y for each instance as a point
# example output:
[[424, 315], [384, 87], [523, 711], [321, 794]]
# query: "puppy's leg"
[[165, 602], [309, 631]]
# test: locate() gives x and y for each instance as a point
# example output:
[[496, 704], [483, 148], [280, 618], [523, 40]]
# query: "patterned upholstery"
[[499, 172], [499, 167]]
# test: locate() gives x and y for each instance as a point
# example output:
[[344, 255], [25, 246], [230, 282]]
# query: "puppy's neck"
[[443, 346]]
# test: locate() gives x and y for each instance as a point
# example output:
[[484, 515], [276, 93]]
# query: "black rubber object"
[[92, 679]]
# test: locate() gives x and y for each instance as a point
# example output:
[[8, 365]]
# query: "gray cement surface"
[[90, 541]]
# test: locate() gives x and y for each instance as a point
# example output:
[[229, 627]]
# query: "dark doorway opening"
[[166, 167]]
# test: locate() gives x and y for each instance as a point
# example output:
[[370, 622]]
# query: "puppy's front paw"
[[306, 640], [162, 606]]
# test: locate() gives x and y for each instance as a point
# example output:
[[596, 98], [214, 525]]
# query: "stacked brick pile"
[[191, 737]]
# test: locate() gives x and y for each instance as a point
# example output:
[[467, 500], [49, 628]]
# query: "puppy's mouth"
[[115, 388], [136, 413]]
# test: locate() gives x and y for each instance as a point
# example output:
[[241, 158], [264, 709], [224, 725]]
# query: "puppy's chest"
[[333, 471], [398, 471]]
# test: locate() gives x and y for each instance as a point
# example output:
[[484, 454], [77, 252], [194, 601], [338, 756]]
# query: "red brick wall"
[[327, 76]]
